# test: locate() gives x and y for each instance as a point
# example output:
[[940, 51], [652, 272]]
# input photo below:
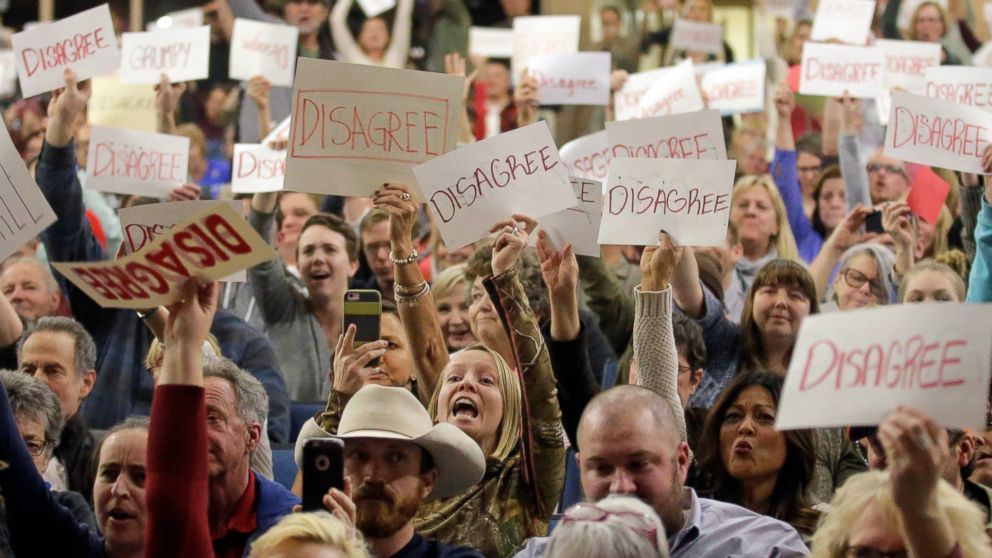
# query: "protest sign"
[[906, 63], [588, 157], [929, 192], [490, 42], [830, 70], [848, 21], [132, 162], [373, 8], [579, 225], [905, 16], [693, 135], [854, 368], [484, 182], [181, 54], [983, 56], [690, 200], [179, 19], [628, 98], [263, 49], [581, 78], [84, 42], [937, 133], [735, 87], [281, 131], [8, 73], [696, 36], [964, 85], [674, 92], [356, 127], [121, 105], [24, 212], [257, 168], [537, 35], [210, 245], [781, 8]]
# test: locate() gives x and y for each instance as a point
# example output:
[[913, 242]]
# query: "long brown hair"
[[775, 272]]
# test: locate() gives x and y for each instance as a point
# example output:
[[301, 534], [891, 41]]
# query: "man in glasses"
[[888, 178]]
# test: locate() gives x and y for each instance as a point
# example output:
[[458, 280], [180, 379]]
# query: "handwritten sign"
[[24, 212], [210, 245], [373, 8], [848, 21], [263, 49], [688, 199], [675, 92], [8, 73], [964, 85], [121, 105], [695, 36], [854, 368], [906, 63], [179, 19], [579, 225], [983, 56], [84, 42], [588, 156], [537, 35], [515, 172], [736, 87], [830, 70], [357, 125], [490, 42], [257, 168], [694, 135], [581, 78], [131, 162], [280, 132], [182, 54], [628, 98], [937, 133]]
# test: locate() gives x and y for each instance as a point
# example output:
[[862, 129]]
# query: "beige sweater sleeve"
[[654, 349]]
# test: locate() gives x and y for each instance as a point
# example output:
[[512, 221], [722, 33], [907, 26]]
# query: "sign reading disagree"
[[130, 162], [24, 211], [937, 133]]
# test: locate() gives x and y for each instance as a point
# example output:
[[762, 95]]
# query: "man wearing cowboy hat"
[[394, 459]]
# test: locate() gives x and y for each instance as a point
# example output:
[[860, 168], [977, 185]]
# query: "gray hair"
[[85, 348], [612, 536], [249, 393], [34, 400], [46, 271], [885, 260]]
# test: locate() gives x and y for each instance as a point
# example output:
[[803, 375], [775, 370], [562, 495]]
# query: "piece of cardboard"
[[628, 98], [588, 156], [490, 42], [179, 19], [263, 49], [257, 168], [579, 225], [964, 85], [693, 135], [131, 162], [281, 131], [928, 194], [831, 70], [906, 63], [696, 36], [735, 88], [848, 21], [580, 78], [537, 35], [372, 8], [24, 211], [181, 54], [120, 105], [675, 92]]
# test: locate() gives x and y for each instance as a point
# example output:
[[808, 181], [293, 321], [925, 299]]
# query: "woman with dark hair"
[[831, 201], [745, 461]]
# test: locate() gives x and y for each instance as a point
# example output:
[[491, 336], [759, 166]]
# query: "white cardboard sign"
[[983, 56], [848, 21], [281, 131], [257, 168], [688, 199], [472, 188], [627, 100], [121, 105], [854, 368], [537, 35], [674, 92], [131, 162], [263, 49], [84, 42], [964, 85], [179, 19], [695, 36], [580, 78], [588, 156], [906, 63], [736, 87], [829, 70], [24, 212], [937, 133], [577, 225], [373, 8], [490, 42], [182, 54], [693, 135]]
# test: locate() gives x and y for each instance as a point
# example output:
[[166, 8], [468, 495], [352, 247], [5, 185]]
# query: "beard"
[[380, 512], [670, 510]]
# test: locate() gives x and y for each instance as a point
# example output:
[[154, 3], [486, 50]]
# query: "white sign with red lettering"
[[579, 225], [181, 54], [983, 56], [373, 8], [537, 35], [263, 49], [580, 78], [131, 162], [84, 42], [736, 87], [854, 368], [257, 168], [280, 132], [695, 36], [906, 63], [937, 133], [179, 19], [490, 42], [964, 85], [25, 212], [209, 245], [688, 199], [588, 156], [627, 100], [832, 70], [693, 135], [848, 21], [481, 183], [675, 92]]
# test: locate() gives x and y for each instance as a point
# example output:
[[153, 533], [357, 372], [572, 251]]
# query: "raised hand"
[[848, 232], [190, 317], [785, 101], [896, 222], [559, 268], [186, 192], [398, 202], [258, 91], [454, 65], [351, 364], [167, 95], [916, 450], [510, 241], [658, 263], [63, 109], [525, 99]]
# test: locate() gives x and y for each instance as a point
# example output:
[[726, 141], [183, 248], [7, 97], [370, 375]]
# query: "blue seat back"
[[283, 465], [299, 413]]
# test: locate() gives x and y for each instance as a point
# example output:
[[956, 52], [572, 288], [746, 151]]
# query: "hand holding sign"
[[190, 317], [167, 96], [659, 262], [560, 269], [511, 239], [916, 453], [66, 104], [526, 100], [396, 200]]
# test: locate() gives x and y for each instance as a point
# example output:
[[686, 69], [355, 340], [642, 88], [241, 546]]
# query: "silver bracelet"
[[412, 258], [413, 299]]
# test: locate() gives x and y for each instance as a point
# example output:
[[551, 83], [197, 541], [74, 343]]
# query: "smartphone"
[[873, 223], [364, 309], [323, 469]]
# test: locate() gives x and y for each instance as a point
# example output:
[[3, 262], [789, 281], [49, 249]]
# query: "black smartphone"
[[364, 309], [873, 223], [323, 469]]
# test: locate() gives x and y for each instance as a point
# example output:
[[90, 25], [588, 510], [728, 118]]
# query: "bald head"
[[629, 400]]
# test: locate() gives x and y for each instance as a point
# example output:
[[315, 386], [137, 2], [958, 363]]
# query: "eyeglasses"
[[36, 447], [638, 523], [855, 279], [868, 552], [889, 168]]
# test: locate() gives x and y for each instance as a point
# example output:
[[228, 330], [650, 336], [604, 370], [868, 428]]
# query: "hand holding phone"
[[323, 469], [363, 308], [873, 223]]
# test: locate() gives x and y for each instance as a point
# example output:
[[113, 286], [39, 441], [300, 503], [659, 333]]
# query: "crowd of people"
[[520, 400]]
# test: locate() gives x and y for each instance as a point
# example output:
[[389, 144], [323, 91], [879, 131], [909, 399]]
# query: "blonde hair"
[[941, 228], [875, 487], [784, 241], [938, 267], [314, 527], [911, 32], [509, 433], [448, 280], [156, 353]]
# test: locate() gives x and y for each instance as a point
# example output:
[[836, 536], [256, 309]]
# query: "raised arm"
[[454, 65], [851, 167], [11, 326], [896, 221], [273, 292], [607, 298], [258, 91], [847, 234], [344, 41], [784, 167], [980, 280], [399, 44], [167, 98]]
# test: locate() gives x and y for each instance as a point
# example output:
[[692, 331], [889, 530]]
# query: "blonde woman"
[[317, 534]]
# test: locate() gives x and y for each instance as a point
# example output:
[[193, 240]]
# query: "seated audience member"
[[313, 534], [39, 419], [864, 278], [629, 444], [373, 233], [618, 526], [908, 509], [451, 302], [31, 288], [931, 281]]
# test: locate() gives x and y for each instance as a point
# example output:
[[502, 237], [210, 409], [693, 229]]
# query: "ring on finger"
[[405, 196], [923, 441]]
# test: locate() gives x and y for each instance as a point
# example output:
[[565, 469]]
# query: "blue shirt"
[[419, 547]]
